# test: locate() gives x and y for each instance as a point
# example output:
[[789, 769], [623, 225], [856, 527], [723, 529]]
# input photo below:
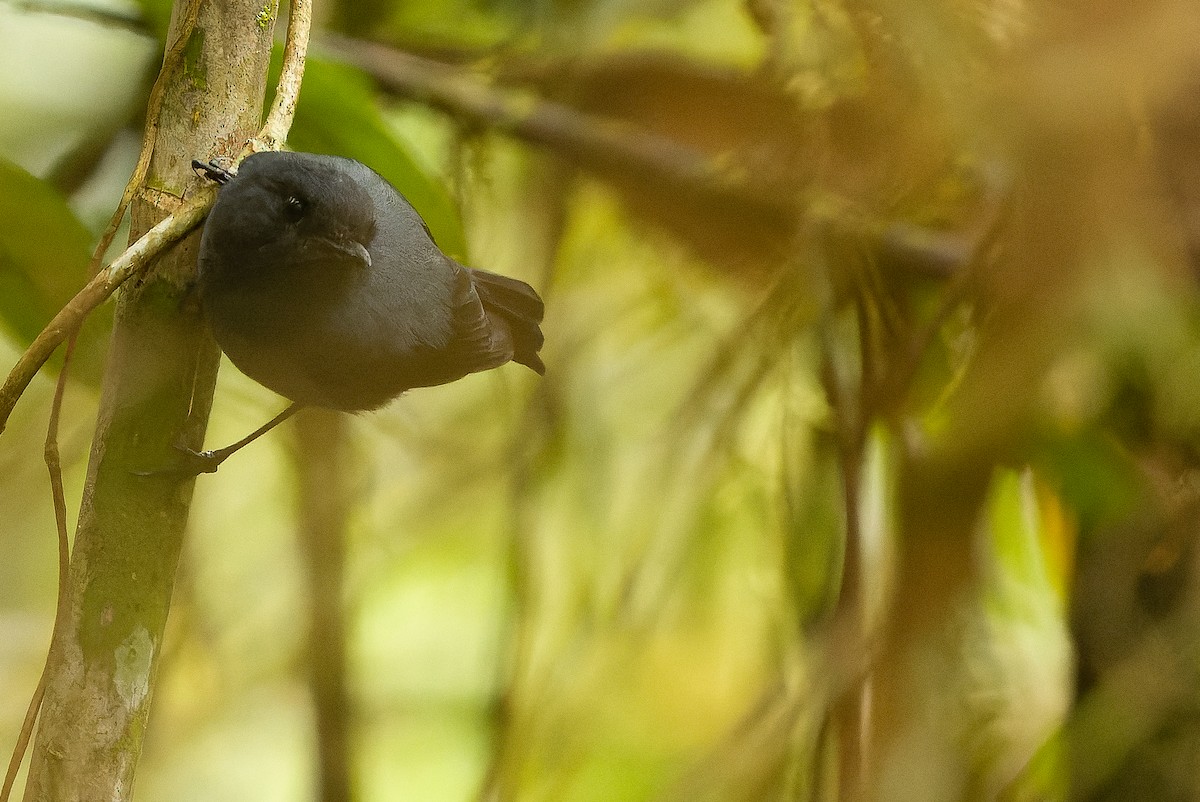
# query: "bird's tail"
[[520, 307]]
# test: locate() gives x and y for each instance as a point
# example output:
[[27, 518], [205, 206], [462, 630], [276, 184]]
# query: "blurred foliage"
[[865, 466], [38, 276]]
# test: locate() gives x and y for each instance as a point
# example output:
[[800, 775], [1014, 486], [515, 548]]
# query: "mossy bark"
[[157, 391]]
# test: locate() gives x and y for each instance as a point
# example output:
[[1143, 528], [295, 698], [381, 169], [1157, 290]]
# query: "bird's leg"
[[208, 461]]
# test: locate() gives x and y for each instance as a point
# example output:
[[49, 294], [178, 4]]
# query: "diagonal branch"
[[589, 140], [172, 229], [607, 145], [136, 258]]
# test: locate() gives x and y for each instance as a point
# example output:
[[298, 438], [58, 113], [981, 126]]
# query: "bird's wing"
[[347, 376]]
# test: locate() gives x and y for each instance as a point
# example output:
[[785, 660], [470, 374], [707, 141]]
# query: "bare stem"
[[279, 120]]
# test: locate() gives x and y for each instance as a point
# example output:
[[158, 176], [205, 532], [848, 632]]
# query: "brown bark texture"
[[157, 392]]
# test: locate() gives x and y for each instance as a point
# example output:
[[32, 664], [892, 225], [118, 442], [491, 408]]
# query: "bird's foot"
[[189, 463], [212, 171], [198, 462]]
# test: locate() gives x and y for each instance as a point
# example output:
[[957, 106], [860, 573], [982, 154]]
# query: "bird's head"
[[289, 210]]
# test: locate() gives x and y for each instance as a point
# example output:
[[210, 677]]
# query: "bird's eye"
[[294, 208]]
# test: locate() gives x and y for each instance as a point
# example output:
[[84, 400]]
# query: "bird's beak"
[[349, 247]]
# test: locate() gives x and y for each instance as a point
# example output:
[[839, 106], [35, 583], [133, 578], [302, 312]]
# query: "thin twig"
[[283, 109], [171, 61], [54, 466], [133, 261]]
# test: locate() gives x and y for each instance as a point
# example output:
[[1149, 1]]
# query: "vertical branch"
[[848, 710], [171, 61], [323, 504], [283, 108], [158, 383]]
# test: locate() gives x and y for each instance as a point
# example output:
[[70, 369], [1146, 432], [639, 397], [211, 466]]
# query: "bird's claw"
[[198, 462], [191, 463], [212, 171]]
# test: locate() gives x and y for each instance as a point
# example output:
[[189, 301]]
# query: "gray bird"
[[322, 283]]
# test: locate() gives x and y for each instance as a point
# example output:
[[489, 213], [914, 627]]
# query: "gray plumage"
[[321, 282]]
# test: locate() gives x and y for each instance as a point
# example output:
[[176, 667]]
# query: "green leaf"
[[337, 115], [44, 254], [157, 15], [44, 251]]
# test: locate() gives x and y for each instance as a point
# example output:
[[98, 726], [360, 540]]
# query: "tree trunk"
[[157, 391]]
